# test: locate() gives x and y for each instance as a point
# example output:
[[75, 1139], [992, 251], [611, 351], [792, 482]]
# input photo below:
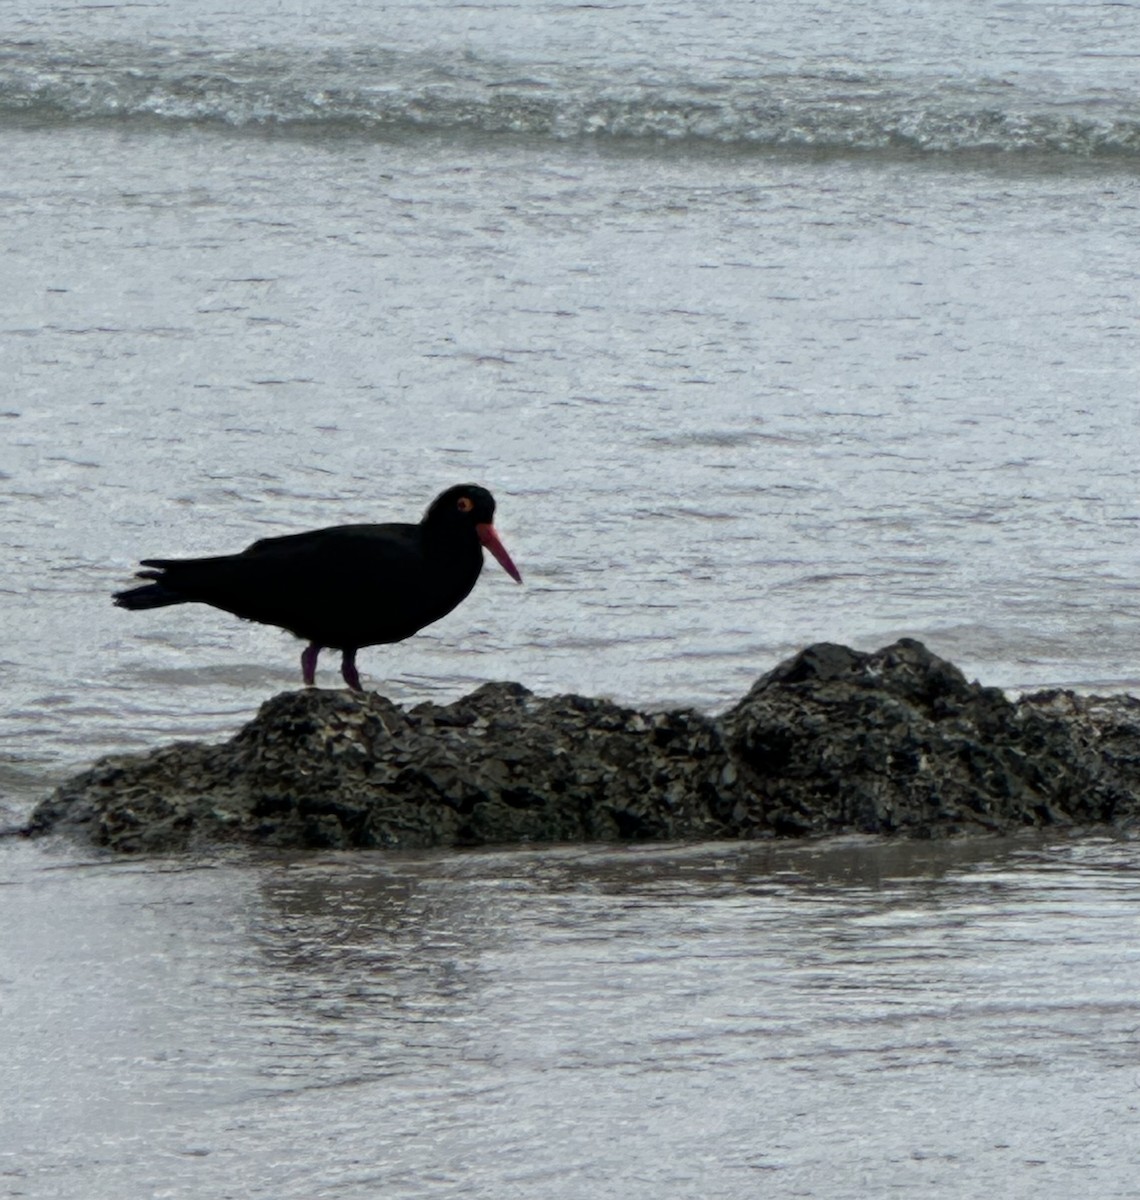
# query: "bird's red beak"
[[490, 539]]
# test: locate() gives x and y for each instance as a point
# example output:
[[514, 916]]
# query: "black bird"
[[345, 587]]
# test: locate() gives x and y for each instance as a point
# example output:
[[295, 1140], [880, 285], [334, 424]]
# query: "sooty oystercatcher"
[[345, 587]]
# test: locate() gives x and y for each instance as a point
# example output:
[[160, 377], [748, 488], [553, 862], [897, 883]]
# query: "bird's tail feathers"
[[153, 595]]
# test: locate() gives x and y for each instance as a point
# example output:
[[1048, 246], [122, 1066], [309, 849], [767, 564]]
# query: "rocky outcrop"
[[321, 768], [898, 741], [831, 740]]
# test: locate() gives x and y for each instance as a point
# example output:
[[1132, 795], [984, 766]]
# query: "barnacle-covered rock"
[[832, 740]]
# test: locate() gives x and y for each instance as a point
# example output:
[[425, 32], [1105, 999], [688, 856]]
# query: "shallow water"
[[842, 1019]]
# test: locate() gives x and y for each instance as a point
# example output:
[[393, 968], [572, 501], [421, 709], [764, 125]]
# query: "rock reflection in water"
[[836, 1018]]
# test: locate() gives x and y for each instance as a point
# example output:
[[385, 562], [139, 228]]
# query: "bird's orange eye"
[[465, 504]]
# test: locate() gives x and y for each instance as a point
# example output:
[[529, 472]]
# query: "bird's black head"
[[465, 505], [469, 507]]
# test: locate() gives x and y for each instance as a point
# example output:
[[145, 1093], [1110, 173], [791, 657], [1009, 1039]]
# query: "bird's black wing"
[[348, 585], [339, 539]]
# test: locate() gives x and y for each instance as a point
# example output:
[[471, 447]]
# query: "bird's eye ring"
[[465, 504]]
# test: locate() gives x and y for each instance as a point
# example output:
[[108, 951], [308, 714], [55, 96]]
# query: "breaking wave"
[[372, 92]]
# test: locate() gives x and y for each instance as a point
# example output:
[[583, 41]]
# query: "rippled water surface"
[[728, 406], [838, 1020], [817, 326]]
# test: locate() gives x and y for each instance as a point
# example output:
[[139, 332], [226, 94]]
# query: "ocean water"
[[766, 324]]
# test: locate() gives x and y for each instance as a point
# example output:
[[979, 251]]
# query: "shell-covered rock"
[[319, 768], [898, 740], [831, 740]]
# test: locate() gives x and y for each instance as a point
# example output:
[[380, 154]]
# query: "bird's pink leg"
[[309, 663], [348, 669]]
